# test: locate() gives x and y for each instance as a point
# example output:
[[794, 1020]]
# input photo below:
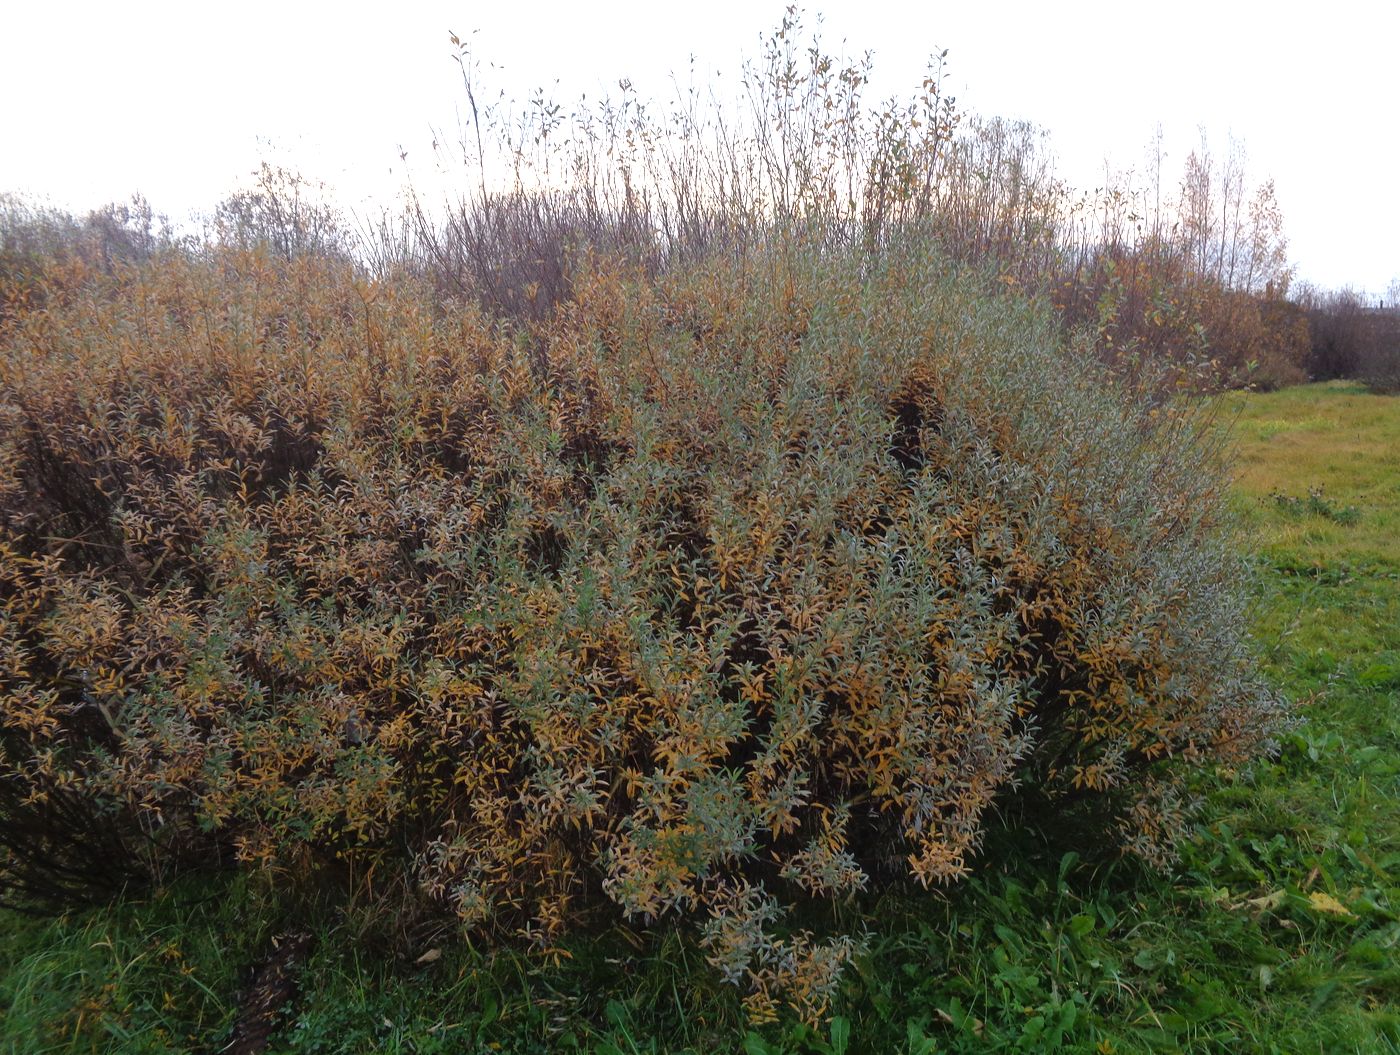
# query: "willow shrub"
[[751, 583]]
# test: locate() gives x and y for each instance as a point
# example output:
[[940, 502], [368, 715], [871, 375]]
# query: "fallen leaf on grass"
[[1265, 902], [1321, 902]]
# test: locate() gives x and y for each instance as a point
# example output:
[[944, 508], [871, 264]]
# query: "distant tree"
[[1266, 250], [1233, 239], [284, 211], [1197, 209]]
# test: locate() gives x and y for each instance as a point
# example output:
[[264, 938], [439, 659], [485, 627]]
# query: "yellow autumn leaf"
[[1327, 903]]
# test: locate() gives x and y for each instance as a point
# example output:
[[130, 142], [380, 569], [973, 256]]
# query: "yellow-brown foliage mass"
[[754, 581]]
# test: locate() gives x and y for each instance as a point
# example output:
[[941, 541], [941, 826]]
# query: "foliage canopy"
[[757, 579]]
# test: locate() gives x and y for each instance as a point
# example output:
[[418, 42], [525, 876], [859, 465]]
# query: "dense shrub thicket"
[[757, 579], [45, 250], [1353, 338]]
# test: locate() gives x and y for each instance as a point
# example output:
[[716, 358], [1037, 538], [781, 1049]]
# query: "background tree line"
[[1188, 269]]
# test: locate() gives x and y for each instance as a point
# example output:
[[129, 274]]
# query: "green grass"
[[1278, 931], [159, 976], [1335, 437]]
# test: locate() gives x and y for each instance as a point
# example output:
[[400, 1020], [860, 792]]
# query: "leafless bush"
[[286, 212], [805, 160]]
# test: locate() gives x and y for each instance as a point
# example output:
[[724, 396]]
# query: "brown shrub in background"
[[1190, 277], [1351, 337]]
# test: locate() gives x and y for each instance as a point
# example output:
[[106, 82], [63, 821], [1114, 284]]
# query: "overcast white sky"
[[175, 99]]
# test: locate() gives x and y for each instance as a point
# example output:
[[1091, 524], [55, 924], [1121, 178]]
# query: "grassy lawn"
[[1278, 932]]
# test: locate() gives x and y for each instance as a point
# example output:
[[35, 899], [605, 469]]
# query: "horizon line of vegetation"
[[1194, 275]]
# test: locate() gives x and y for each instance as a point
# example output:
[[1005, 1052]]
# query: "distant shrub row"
[[1187, 272], [715, 588], [1351, 338]]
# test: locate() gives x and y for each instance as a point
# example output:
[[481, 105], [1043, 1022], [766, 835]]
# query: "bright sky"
[[180, 100]]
